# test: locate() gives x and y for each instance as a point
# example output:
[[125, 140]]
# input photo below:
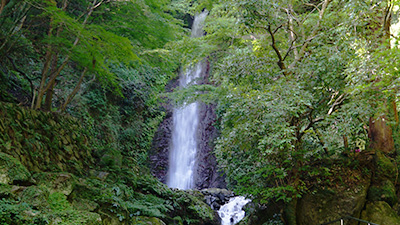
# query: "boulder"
[[143, 220], [216, 197], [325, 205], [57, 182], [74, 217], [381, 213], [384, 168]]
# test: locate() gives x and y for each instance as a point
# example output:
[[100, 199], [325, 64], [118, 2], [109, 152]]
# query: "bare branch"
[[293, 36], [280, 62], [337, 102], [312, 35], [312, 5]]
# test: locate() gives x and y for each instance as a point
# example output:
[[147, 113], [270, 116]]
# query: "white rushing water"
[[182, 157], [231, 213]]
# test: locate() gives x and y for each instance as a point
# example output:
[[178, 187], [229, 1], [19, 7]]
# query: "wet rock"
[[206, 164], [206, 174], [216, 197], [84, 204]]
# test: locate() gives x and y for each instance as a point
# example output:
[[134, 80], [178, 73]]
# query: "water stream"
[[231, 213], [182, 157]]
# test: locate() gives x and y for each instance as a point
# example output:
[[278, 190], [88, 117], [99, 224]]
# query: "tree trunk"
[[48, 88], [49, 93], [3, 4], [73, 93]]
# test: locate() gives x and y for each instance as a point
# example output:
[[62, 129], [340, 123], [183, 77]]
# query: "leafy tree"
[[288, 104]]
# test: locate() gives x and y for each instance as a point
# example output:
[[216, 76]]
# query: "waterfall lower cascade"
[[231, 213], [182, 157]]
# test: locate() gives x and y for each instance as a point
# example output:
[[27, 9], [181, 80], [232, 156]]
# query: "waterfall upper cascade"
[[232, 213], [182, 156]]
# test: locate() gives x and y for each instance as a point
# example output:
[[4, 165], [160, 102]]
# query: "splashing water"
[[231, 213], [182, 157]]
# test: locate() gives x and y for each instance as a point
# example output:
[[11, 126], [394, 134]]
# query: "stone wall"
[[43, 141]]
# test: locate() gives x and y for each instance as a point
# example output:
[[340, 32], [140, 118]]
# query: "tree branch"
[[312, 35], [280, 62], [73, 93], [337, 102]]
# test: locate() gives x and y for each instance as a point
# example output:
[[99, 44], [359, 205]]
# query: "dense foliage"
[[298, 82], [103, 62]]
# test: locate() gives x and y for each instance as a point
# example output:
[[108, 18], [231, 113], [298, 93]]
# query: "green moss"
[[43, 141], [73, 217], [380, 213], [5, 190], [386, 191], [142, 220], [58, 202], [384, 167], [12, 171], [56, 182], [36, 196]]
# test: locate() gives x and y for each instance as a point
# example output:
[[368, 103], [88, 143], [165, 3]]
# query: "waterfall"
[[182, 156]]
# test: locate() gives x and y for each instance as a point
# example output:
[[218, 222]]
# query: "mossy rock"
[[89, 189], [74, 217], [384, 168], [380, 213], [142, 220], [194, 209], [36, 196], [6, 191], [12, 171], [386, 191], [84, 204], [323, 205], [57, 182]]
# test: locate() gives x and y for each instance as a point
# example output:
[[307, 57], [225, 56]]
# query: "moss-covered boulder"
[[12, 171], [5, 190], [35, 196], [326, 205], [142, 220], [73, 217], [381, 213], [386, 191], [56, 181], [385, 169]]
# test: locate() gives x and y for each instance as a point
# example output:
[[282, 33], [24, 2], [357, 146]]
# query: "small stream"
[[232, 212]]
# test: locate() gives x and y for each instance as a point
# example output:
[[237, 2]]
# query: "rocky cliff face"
[[207, 175], [206, 165]]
